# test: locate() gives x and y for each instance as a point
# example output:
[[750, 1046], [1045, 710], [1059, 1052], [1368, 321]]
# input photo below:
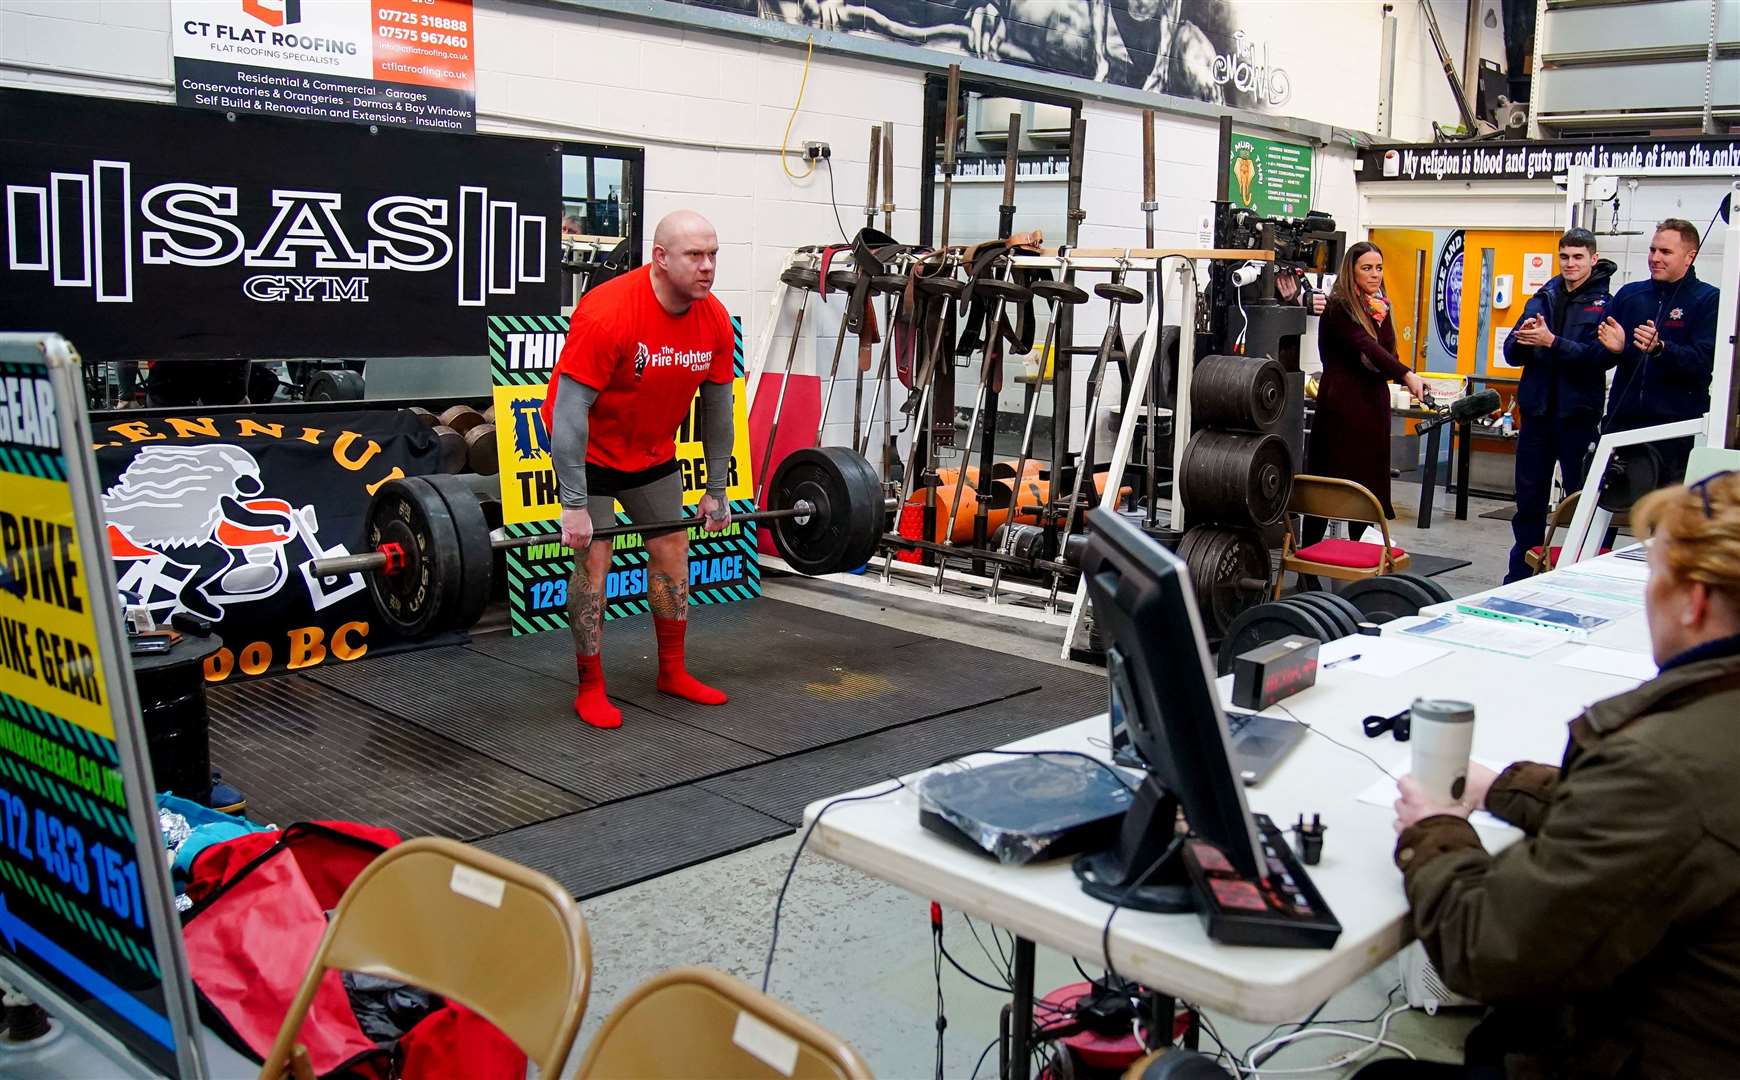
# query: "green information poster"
[[1272, 178]]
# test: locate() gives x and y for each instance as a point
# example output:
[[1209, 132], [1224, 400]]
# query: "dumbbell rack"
[[1016, 599]]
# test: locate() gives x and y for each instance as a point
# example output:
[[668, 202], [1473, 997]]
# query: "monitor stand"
[[1150, 826]]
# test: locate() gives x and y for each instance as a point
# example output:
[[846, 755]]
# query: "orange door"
[[1500, 271], [1408, 285]]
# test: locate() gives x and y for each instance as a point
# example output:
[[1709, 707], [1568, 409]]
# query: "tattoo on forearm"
[[669, 596], [585, 612]]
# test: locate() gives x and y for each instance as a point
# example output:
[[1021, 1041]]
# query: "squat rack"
[[1149, 262]]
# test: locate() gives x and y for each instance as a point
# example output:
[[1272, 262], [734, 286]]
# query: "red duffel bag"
[[260, 906]]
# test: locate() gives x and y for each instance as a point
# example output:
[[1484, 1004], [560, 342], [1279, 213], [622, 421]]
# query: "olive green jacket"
[[1619, 910]]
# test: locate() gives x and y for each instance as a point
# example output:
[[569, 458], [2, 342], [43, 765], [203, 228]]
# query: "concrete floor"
[[854, 953]]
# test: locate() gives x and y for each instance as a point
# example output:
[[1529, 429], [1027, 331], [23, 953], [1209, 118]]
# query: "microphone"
[[1465, 408], [1474, 405]]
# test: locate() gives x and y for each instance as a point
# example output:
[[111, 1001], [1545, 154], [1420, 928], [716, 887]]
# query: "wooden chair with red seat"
[[1560, 518], [1344, 560]]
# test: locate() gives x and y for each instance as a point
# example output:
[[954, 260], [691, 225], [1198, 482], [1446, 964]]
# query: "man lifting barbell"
[[638, 349]]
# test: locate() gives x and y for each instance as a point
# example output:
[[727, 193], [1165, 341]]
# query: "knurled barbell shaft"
[[373, 562]]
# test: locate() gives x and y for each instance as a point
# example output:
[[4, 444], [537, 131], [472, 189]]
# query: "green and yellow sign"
[[1269, 177]]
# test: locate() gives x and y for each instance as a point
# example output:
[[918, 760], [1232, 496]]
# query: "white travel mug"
[[1442, 734]]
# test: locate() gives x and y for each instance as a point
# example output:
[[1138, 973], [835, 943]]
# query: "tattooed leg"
[[668, 592], [586, 620], [586, 599], [668, 580]]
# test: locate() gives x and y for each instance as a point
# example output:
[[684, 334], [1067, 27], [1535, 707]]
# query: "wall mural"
[[1185, 48]]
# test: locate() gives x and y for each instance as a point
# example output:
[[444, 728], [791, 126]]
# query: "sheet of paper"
[[1384, 792], [1628, 564], [1565, 609], [1383, 657], [1512, 639], [1610, 662]]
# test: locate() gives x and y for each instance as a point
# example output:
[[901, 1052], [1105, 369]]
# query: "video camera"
[[1311, 243]]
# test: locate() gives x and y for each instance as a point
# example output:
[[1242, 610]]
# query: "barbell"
[[431, 550]]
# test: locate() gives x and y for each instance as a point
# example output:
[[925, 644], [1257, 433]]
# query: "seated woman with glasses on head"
[[1608, 939]]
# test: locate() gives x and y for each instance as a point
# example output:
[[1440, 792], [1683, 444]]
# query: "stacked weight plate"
[[1327, 616], [1236, 477]]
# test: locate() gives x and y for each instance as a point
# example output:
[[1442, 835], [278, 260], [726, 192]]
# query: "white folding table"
[[1522, 709]]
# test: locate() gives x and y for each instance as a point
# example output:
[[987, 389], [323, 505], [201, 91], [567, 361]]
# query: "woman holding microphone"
[[1615, 922], [1350, 436]]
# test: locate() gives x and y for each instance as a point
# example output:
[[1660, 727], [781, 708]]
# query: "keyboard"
[[1280, 909]]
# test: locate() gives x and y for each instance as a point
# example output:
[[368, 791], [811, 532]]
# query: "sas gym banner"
[[167, 233], [723, 566], [397, 63], [85, 924], [219, 516]]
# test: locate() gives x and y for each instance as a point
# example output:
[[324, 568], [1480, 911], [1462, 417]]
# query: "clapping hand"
[[1645, 337], [1611, 335], [1533, 331]]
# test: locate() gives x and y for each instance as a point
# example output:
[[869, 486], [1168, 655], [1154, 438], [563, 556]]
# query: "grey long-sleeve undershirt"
[[568, 437]]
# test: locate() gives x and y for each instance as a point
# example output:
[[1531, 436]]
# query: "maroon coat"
[[1350, 436]]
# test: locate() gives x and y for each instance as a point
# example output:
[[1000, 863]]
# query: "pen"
[[1343, 660]]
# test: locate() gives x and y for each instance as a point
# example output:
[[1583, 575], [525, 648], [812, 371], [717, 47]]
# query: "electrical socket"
[[814, 149]]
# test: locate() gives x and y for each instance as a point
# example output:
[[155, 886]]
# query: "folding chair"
[[695, 1023], [1544, 558], [1344, 560], [500, 939]]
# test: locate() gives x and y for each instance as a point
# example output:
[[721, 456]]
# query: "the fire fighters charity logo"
[[194, 531], [641, 358]]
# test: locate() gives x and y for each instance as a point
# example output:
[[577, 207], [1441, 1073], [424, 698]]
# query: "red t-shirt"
[[646, 365]]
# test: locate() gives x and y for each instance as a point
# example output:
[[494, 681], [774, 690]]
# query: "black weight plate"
[[992, 289], [1440, 595], [1325, 630], [410, 513], [1236, 479], [843, 532], [1259, 626], [1391, 596], [1337, 620], [1238, 393], [1118, 293], [1221, 561], [335, 385], [476, 557], [801, 277], [1058, 292], [1349, 616]]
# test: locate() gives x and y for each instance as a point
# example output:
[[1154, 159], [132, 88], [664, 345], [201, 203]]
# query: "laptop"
[[1259, 743]]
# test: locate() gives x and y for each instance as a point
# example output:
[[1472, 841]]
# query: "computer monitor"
[[1163, 691]]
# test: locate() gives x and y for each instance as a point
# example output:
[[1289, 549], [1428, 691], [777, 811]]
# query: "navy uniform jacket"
[[1568, 379], [1674, 383]]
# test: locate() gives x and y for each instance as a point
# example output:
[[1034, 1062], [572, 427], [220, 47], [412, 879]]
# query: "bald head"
[[684, 256]]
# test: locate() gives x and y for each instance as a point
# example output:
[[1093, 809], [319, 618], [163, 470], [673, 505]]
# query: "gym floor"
[[855, 952]]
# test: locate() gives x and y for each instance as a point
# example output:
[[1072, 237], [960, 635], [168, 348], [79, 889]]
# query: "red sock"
[[673, 678], [590, 704]]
